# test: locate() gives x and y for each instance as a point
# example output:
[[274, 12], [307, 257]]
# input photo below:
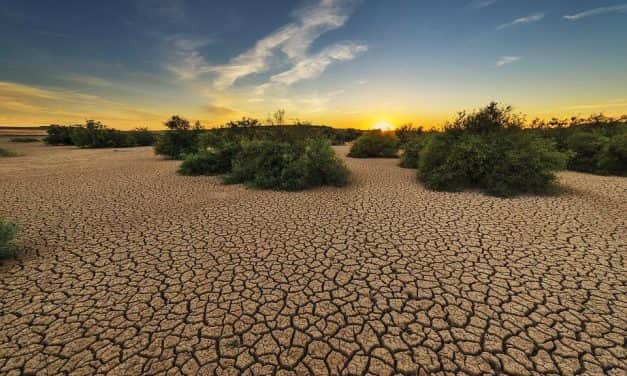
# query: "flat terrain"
[[126, 268]]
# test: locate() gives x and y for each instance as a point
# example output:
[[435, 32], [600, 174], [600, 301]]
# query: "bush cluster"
[[375, 144], [94, 134], [596, 153], [411, 151], [8, 230], [252, 129], [489, 150], [596, 145], [287, 166], [267, 164], [180, 139]]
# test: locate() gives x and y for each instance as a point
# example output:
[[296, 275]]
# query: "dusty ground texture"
[[126, 268]]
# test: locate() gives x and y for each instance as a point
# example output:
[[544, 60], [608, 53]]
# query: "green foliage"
[[496, 156], [6, 153], [94, 134], [24, 140], [411, 151], [8, 230], [375, 144], [283, 133], [613, 157], [407, 133], [141, 137], [283, 166], [59, 135], [214, 161], [180, 139]]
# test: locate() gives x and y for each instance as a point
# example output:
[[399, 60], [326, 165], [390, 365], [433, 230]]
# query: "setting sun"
[[383, 126]]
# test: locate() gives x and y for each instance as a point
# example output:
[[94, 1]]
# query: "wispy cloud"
[[293, 40], [591, 106], [596, 12], [42, 105], [88, 80], [479, 4], [313, 66], [505, 60], [522, 21]]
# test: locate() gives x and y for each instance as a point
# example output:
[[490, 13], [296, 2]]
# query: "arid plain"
[[125, 267]]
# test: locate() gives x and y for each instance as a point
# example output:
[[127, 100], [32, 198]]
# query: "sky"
[[344, 63]]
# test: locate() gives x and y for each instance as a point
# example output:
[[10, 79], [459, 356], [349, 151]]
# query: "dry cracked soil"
[[125, 268]]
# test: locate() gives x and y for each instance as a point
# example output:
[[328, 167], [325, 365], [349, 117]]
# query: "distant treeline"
[[94, 134]]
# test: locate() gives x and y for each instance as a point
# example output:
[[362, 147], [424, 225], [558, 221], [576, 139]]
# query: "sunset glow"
[[383, 126], [337, 62]]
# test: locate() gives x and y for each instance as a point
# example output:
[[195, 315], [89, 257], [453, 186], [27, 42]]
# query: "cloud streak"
[[480, 4], [522, 21], [293, 40], [597, 12], [506, 60], [314, 66]]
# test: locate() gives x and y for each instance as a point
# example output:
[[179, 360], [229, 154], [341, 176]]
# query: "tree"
[[279, 116], [245, 122]]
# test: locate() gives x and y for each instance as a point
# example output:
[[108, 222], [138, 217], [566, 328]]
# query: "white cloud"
[[313, 66], [505, 60], [293, 40], [478, 4], [597, 11], [523, 20]]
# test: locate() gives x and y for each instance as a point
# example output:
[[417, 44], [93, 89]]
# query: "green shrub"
[[497, 157], [8, 153], [283, 166], [215, 161], [586, 148], [375, 144], [180, 139], [8, 230], [141, 137], [613, 157], [94, 134], [407, 133], [411, 151], [59, 135], [24, 140]]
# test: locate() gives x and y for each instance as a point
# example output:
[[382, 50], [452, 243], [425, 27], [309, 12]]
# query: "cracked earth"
[[126, 268]]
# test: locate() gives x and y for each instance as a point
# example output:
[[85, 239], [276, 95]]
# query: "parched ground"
[[126, 268]]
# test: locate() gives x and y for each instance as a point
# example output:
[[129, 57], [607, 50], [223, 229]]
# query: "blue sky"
[[341, 62]]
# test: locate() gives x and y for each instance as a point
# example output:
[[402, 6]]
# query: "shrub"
[[613, 157], [375, 144], [8, 230], [283, 166], [141, 137], [94, 134], [586, 149], [59, 135], [25, 140], [180, 139], [411, 152], [496, 156], [215, 161], [407, 133]]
